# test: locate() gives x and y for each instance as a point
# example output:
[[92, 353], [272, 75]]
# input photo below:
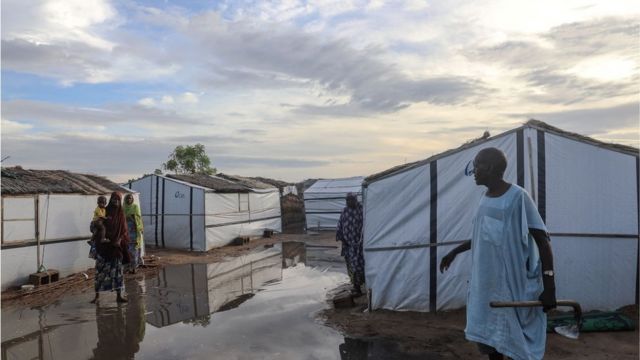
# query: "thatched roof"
[[536, 124], [252, 183], [212, 182], [273, 182], [18, 181]]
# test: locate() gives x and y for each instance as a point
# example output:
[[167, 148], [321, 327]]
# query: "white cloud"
[[605, 68], [13, 127], [57, 21], [189, 98], [148, 102], [167, 99]]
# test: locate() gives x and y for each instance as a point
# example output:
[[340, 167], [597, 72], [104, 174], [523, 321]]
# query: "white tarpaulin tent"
[[325, 199], [585, 190], [53, 208], [200, 212]]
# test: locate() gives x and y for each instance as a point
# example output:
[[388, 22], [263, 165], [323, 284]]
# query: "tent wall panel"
[[176, 216], [603, 203], [17, 264], [264, 205], [65, 216], [16, 231], [223, 235], [18, 219], [67, 257], [179, 220], [223, 209], [18, 207], [397, 210], [595, 271], [198, 220], [393, 284]]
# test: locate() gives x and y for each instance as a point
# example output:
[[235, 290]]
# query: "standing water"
[[257, 306]]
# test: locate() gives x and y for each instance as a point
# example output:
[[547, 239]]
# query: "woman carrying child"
[[134, 223], [113, 254]]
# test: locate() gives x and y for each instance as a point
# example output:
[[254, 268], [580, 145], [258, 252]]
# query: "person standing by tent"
[[507, 265], [112, 255], [134, 224], [349, 231]]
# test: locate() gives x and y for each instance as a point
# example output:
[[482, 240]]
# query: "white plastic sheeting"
[[185, 216], [586, 190], [225, 221], [63, 226], [18, 219], [325, 199]]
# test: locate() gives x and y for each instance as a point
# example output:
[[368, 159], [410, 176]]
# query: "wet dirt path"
[[261, 305]]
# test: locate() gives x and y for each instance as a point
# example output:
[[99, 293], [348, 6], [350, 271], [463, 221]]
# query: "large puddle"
[[257, 306]]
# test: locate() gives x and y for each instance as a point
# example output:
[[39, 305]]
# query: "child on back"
[[97, 224]]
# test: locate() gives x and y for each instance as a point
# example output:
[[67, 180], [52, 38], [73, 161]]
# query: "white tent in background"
[[325, 199], [53, 208], [586, 190], [200, 212]]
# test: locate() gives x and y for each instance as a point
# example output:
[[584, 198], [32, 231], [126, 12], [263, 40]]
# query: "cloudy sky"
[[297, 89]]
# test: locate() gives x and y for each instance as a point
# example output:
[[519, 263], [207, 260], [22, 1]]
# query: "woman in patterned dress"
[[112, 255], [349, 231]]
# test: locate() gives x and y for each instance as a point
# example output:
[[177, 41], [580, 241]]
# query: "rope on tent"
[[42, 268]]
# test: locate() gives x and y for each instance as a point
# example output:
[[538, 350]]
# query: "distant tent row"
[[52, 208], [585, 190], [325, 199], [201, 212]]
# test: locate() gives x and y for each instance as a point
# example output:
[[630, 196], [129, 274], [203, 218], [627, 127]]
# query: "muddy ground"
[[435, 333]]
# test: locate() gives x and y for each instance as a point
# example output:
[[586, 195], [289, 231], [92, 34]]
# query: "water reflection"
[[379, 349], [189, 293], [274, 321], [121, 329], [75, 329]]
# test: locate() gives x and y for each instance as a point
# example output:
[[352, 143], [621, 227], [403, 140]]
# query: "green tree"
[[189, 160]]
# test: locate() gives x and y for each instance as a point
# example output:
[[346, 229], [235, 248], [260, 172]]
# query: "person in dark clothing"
[[349, 231], [112, 255]]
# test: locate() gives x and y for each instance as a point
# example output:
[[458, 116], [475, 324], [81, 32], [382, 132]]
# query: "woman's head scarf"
[[116, 231]]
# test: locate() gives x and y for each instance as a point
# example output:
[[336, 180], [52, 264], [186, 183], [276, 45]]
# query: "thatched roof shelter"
[[19, 181], [277, 183], [218, 184], [253, 183]]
